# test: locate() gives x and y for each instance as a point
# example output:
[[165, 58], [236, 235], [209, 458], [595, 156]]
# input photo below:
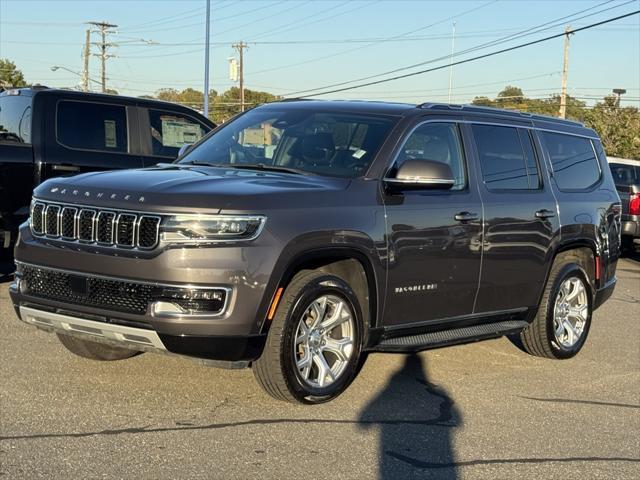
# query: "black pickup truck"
[[48, 133]]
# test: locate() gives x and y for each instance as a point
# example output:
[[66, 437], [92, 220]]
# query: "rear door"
[[163, 131], [90, 135], [521, 217]]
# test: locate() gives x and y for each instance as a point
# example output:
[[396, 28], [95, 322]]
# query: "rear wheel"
[[562, 323], [312, 350], [94, 350]]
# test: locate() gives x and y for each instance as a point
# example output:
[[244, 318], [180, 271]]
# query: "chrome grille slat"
[[87, 225], [52, 220]]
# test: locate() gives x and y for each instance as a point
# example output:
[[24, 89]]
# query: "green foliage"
[[619, 128], [10, 76], [222, 106]]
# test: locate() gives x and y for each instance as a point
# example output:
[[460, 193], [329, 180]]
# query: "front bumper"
[[225, 352]]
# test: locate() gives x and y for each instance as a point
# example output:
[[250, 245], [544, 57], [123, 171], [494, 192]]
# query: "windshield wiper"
[[198, 164], [264, 166]]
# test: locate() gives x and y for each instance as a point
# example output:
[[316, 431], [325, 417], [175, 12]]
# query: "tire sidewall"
[[567, 271], [325, 285]]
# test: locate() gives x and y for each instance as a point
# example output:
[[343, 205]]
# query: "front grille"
[[128, 297], [89, 225]]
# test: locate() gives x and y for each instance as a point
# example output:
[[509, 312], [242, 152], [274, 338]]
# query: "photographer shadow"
[[415, 420]]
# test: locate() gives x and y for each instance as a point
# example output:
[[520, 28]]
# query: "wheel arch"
[[347, 262]]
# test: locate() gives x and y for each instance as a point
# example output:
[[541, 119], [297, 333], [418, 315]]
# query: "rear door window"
[[507, 158], [170, 131], [574, 162], [15, 119], [92, 126]]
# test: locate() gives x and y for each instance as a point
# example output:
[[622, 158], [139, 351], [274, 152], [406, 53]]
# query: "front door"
[[434, 236]]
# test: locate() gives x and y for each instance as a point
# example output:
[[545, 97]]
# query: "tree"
[[10, 76], [619, 128]]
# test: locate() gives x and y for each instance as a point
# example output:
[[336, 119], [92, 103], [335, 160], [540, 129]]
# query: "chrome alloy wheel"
[[571, 312], [324, 341]]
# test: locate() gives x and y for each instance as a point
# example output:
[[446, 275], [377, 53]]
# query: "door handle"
[[544, 213], [466, 216], [65, 168]]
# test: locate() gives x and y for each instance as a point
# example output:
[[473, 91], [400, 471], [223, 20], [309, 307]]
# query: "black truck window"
[[507, 158], [92, 126], [170, 130], [15, 119]]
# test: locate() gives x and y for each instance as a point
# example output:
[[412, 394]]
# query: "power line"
[[479, 57], [524, 33]]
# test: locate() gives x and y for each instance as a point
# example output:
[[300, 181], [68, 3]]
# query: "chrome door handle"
[[544, 213], [466, 216], [65, 168]]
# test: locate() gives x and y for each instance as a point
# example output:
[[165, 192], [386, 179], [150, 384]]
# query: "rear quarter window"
[[573, 159]]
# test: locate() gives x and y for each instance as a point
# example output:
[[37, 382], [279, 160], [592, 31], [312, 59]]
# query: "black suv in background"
[[626, 176], [303, 234], [47, 133]]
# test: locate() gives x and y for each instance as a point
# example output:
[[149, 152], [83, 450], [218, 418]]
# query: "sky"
[[307, 45]]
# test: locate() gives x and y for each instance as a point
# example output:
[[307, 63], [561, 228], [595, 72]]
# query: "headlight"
[[202, 229]]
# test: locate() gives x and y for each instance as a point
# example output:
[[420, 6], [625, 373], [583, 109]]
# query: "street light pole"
[[206, 62], [619, 92]]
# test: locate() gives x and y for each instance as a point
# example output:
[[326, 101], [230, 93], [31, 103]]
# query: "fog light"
[[179, 302]]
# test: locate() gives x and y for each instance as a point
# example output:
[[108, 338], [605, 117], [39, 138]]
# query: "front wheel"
[[313, 347], [562, 323]]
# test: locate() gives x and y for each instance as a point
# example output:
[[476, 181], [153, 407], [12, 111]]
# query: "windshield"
[[333, 144]]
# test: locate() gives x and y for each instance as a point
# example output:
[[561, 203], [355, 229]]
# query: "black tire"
[[275, 371], [94, 350], [538, 338]]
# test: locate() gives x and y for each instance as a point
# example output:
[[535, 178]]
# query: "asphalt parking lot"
[[484, 410]]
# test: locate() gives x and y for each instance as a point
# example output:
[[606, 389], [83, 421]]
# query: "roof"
[[352, 106], [41, 89], [624, 161]]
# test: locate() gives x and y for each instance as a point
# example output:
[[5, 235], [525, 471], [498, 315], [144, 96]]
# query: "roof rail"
[[495, 111]]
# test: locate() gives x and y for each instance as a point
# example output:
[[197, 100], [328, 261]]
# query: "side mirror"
[[421, 174], [184, 149]]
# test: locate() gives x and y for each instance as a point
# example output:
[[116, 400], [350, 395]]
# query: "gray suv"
[[302, 235]]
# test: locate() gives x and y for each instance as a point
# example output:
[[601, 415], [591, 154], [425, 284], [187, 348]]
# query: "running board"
[[424, 341]]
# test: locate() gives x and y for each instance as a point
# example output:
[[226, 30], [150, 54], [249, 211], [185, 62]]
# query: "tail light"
[[634, 204]]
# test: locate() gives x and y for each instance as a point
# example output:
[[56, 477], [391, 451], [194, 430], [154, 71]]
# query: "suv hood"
[[176, 188]]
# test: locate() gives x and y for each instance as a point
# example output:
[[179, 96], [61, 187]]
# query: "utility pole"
[[240, 48], [85, 55], [205, 107], [453, 42], [103, 28], [565, 72]]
